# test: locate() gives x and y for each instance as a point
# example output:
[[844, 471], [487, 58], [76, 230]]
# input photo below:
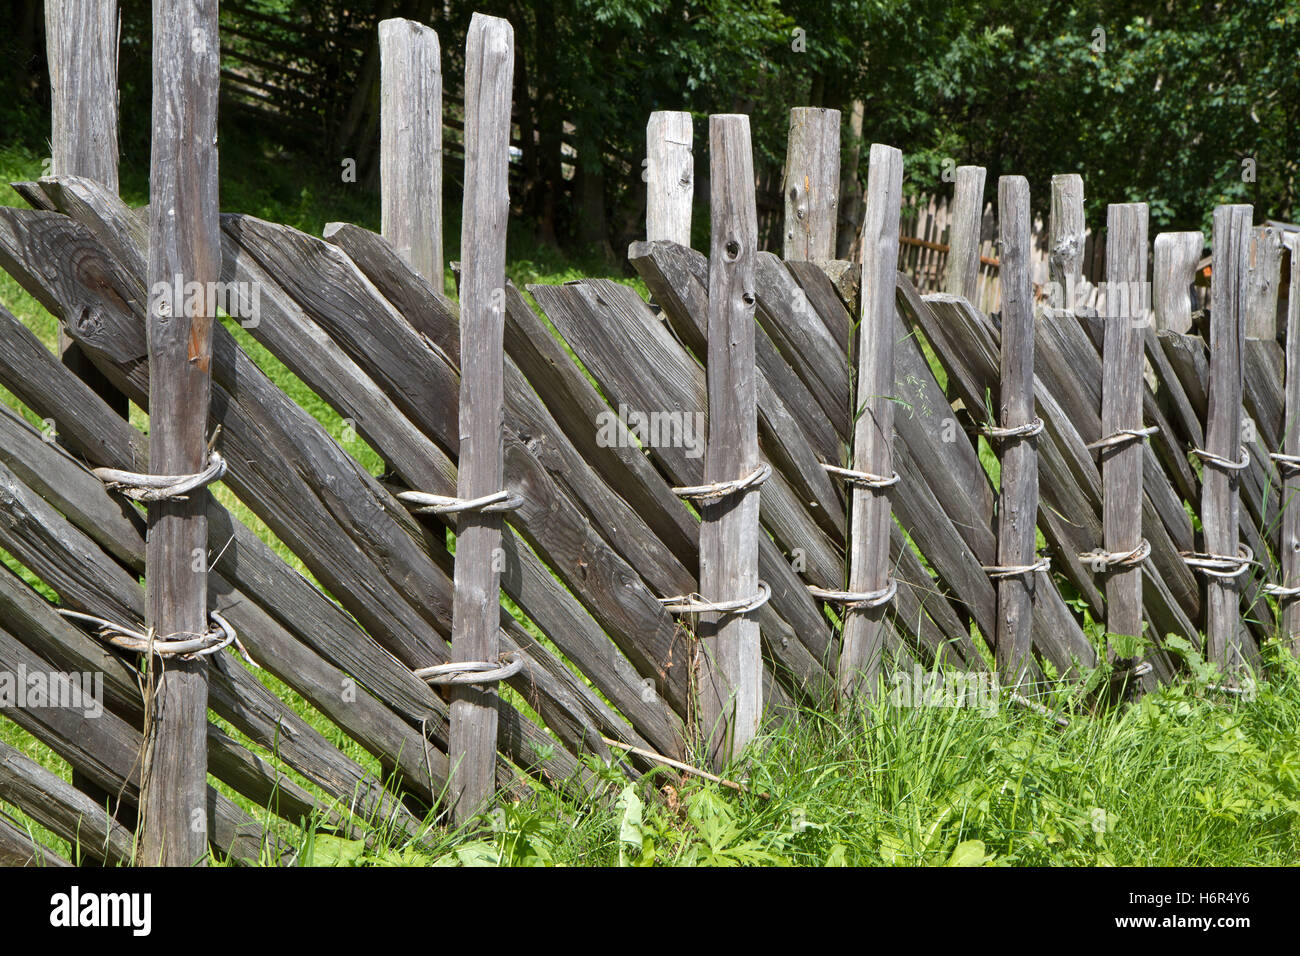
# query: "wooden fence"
[[765, 488]]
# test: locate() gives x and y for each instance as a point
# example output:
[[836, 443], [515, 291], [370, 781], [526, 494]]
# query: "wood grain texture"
[[963, 270], [728, 664], [1018, 505], [811, 184], [1173, 271], [863, 638], [1289, 549], [184, 247], [489, 71], [1067, 235], [1220, 498], [1121, 407], [410, 144], [312, 494], [81, 49], [669, 177], [1263, 284]]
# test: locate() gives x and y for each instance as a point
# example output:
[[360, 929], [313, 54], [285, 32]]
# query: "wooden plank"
[[728, 663], [410, 144], [18, 849], [489, 69], [1289, 549], [87, 580], [62, 809], [1176, 256], [1121, 408], [1262, 284], [669, 176], [811, 183], [81, 49], [310, 516], [873, 425], [1018, 505], [184, 248], [1220, 500], [961, 276], [107, 751], [1066, 241]]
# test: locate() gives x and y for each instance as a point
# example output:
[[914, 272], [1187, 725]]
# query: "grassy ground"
[[1188, 776]]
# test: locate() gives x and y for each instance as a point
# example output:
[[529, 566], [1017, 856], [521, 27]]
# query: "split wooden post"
[[184, 262], [1262, 287], [1067, 234], [1290, 544], [1220, 492], [1121, 409], [670, 177], [963, 273], [1018, 502], [811, 184], [863, 642], [476, 609], [1173, 274], [81, 48], [730, 663], [410, 144]]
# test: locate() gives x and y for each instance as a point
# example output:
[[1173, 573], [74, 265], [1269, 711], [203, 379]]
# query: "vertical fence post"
[[476, 609], [1121, 409], [811, 184], [1173, 273], [184, 256], [1220, 498], [81, 48], [669, 176], [1290, 544], [1018, 502], [963, 273], [1262, 287], [410, 144], [1067, 232], [873, 428], [731, 668]]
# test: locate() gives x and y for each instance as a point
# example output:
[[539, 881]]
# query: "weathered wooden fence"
[[771, 484]]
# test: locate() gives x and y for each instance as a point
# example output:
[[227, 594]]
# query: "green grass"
[[1189, 775]]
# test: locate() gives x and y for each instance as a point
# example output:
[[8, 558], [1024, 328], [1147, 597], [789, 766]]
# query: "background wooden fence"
[[684, 514]]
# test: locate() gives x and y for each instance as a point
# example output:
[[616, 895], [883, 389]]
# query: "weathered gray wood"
[[669, 176], [1121, 408], [638, 364], [107, 751], [1066, 239], [87, 580], [1176, 255], [673, 275], [63, 809], [489, 69], [1220, 500], [1289, 550], [184, 247], [309, 516], [410, 144], [811, 183], [1263, 284], [81, 49], [728, 664], [963, 271], [873, 424], [1018, 505], [18, 849]]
